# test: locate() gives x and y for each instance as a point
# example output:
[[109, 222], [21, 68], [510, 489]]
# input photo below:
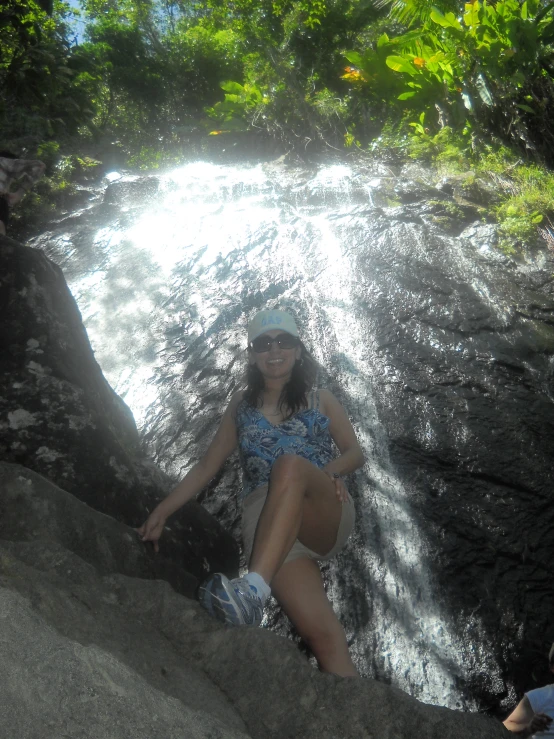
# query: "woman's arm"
[[221, 447], [340, 428], [524, 722]]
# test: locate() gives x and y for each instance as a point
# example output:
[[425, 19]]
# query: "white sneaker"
[[235, 602]]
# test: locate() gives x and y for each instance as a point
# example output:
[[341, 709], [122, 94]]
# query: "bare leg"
[[301, 504], [299, 589]]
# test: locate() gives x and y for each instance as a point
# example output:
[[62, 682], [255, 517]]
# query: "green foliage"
[[147, 157], [48, 152], [437, 82], [55, 192], [371, 68], [523, 193], [493, 66], [37, 96], [451, 209], [410, 12], [528, 202], [150, 77], [446, 149], [293, 51], [144, 74], [308, 13], [243, 103]]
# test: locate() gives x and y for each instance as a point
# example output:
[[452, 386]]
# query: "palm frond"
[[411, 12]]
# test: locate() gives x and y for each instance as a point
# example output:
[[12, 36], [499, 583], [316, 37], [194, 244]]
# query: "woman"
[[296, 507]]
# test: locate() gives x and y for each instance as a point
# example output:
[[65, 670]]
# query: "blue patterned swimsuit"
[[260, 442]]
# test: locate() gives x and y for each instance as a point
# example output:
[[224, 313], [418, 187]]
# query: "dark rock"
[[469, 339], [467, 187], [127, 191], [59, 416], [33, 509], [410, 191]]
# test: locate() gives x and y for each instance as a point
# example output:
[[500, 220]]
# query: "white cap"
[[269, 320]]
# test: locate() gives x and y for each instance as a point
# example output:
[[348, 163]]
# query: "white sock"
[[257, 581]]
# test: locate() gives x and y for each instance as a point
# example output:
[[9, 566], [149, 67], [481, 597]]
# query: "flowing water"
[[166, 273]]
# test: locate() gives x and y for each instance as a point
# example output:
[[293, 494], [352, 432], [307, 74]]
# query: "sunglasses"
[[284, 341]]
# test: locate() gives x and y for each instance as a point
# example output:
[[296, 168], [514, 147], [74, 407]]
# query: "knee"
[[288, 466]]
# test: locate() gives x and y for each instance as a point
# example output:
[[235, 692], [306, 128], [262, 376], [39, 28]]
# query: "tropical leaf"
[[446, 21], [543, 12], [233, 87], [524, 11], [415, 11], [546, 33], [471, 16], [355, 58], [401, 64]]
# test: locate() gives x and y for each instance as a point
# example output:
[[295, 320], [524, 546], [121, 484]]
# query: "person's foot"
[[235, 602]]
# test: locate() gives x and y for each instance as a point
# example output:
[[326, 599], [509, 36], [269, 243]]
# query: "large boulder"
[[60, 417], [88, 652]]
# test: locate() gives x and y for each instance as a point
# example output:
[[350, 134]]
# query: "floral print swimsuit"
[[260, 442]]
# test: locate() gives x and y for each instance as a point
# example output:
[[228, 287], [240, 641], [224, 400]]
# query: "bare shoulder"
[[327, 400], [331, 407]]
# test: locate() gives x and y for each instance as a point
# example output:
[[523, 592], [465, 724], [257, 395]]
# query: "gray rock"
[[87, 654], [34, 509], [462, 375], [53, 687]]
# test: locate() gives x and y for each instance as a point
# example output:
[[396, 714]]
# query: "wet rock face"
[[59, 416], [463, 372], [438, 345]]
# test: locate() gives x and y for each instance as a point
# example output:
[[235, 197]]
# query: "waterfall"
[[165, 292]]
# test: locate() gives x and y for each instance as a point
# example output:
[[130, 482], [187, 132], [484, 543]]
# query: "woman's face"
[[277, 363]]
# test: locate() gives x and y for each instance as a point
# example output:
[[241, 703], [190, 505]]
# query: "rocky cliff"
[[59, 417]]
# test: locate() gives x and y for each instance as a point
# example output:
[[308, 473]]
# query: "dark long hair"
[[294, 395]]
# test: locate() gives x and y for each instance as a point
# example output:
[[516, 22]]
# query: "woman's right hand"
[[153, 527], [540, 722]]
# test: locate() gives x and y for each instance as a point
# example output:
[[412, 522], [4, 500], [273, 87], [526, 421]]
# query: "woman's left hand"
[[340, 488]]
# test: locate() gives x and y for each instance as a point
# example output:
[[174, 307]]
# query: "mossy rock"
[[451, 216], [471, 188]]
